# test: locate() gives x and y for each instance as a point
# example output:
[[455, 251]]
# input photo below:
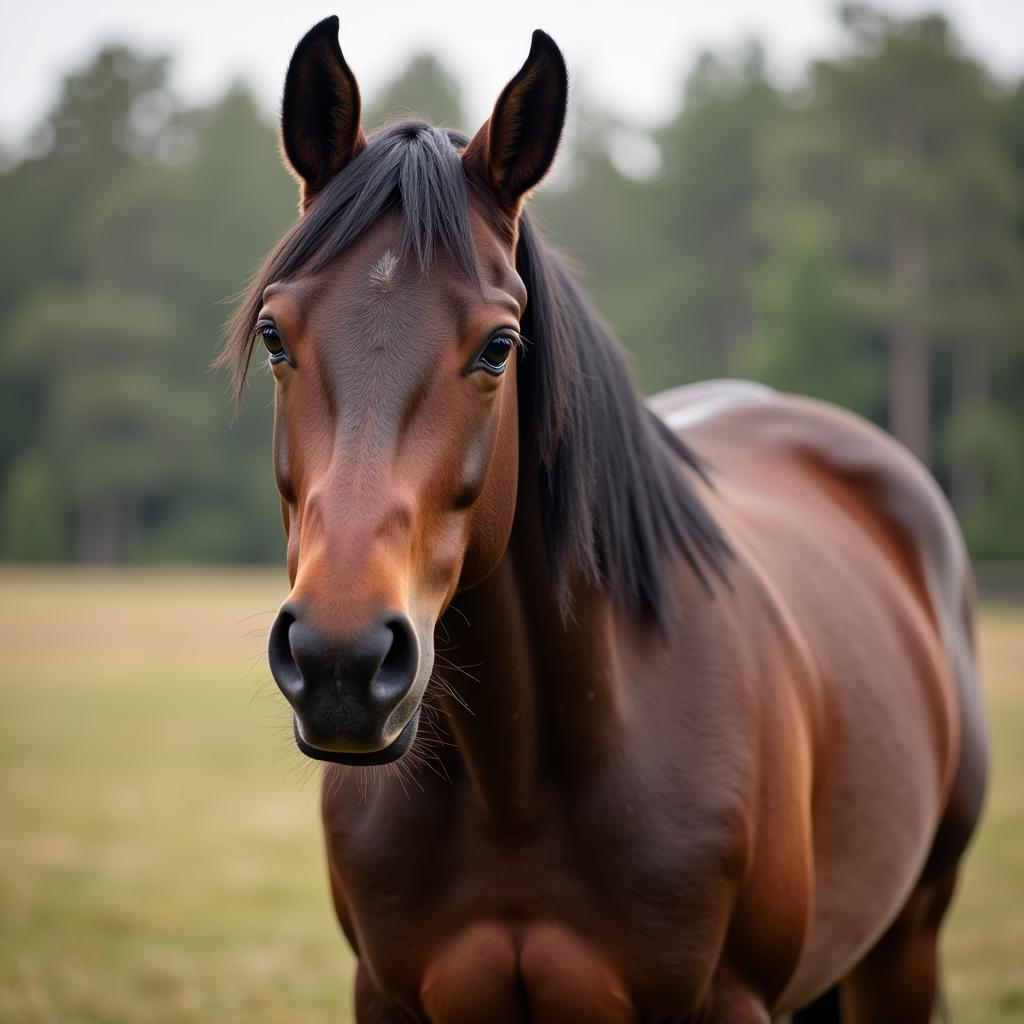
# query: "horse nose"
[[344, 693]]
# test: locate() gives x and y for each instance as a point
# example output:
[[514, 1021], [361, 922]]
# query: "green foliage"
[[808, 340], [898, 153], [129, 233], [860, 240], [33, 524], [673, 259]]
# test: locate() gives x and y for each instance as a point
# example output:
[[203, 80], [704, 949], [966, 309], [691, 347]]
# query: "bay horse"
[[683, 693]]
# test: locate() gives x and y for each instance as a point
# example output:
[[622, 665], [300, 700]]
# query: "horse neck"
[[536, 695]]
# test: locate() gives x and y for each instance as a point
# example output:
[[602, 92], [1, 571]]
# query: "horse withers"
[[679, 701]]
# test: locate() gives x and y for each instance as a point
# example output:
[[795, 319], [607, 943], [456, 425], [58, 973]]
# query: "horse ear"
[[514, 148], [320, 112]]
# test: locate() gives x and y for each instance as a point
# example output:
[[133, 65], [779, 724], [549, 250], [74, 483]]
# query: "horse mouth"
[[392, 752]]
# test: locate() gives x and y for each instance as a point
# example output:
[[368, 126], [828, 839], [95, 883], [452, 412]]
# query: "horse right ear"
[[514, 148], [320, 112]]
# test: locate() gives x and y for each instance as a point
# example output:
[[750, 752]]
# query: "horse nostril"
[[347, 694], [358, 680], [398, 668], [279, 651]]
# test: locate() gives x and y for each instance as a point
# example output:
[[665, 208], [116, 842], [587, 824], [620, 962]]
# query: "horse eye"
[[272, 342], [495, 353]]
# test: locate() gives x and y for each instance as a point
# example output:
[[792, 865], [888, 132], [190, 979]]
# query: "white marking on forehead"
[[383, 272]]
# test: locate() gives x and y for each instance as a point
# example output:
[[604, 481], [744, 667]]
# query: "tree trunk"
[[107, 531], [96, 533], [909, 364]]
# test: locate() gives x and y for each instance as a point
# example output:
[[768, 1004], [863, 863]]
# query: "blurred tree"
[[108, 118], [897, 151], [808, 341], [33, 514], [111, 411], [709, 192], [861, 240], [674, 258], [101, 368]]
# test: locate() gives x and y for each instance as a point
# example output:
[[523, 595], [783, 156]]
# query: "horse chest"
[[599, 913]]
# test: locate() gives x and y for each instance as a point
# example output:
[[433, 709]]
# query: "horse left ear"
[[515, 147], [320, 112]]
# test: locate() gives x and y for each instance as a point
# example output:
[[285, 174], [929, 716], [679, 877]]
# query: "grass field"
[[159, 847]]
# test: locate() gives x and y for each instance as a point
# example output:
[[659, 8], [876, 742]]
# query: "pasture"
[[160, 852]]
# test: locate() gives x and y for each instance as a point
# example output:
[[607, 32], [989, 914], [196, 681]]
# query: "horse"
[[628, 711]]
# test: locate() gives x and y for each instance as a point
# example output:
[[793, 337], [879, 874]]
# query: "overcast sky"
[[628, 54]]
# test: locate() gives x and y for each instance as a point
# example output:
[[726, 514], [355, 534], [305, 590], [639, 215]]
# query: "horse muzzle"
[[355, 701]]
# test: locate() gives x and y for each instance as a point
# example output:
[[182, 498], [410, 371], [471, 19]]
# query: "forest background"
[[859, 237]]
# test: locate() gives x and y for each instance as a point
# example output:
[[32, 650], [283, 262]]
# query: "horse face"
[[395, 454], [396, 426]]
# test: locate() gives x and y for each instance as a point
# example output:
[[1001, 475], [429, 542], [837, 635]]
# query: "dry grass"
[[984, 943], [160, 856], [160, 853]]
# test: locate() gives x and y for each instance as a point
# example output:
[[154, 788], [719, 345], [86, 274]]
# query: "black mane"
[[615, 501]]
